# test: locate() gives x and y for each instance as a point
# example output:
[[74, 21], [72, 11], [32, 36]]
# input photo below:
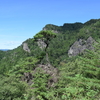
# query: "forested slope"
[[41, 69]]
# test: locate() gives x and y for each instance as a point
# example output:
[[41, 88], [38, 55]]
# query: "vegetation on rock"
[[27, 75]]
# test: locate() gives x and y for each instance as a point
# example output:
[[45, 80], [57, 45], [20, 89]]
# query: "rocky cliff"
[[81, 45], [41, 44], [26, 48], [45, 69]]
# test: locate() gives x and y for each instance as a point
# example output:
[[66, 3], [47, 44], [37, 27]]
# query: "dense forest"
[[58, 63]]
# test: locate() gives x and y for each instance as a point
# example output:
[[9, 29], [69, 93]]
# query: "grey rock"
[[27, 77], [46, 69], [53, 72], [26, 48], [79, 46], [55, 31], [41, 44], [44, 29], [89, 43]]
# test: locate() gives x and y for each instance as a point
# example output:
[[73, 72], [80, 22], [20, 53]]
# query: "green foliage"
[[24, 65], [40, 84], [79, 77], [10, 58], [91, 21], [64, 28], [46, 37], [52, 27], [2, 53], [72, 27], [11, 89], [57, 47], [45, 34]]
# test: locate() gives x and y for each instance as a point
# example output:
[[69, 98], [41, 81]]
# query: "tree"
[[45, 36]]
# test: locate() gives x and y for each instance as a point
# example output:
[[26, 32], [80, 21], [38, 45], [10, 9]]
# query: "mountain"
[[61, 62], [4, 49]]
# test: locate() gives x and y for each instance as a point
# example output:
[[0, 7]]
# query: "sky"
[[22, 19]]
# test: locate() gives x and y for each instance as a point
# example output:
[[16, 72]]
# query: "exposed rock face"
[[44, 29], [27, 77], [89, 43], [51, 27], [26, 48], [47, 69], [41, 44], [81, 45], [53, 72]]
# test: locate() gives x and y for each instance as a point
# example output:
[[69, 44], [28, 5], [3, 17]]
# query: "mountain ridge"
[[66, 36], [4, 49], [53, 65]]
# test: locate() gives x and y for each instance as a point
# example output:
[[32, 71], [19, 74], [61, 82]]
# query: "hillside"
[[58, 63]]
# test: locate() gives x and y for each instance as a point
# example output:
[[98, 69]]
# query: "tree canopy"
[[22, 75]]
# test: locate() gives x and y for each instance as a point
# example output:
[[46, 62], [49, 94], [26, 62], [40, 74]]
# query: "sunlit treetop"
[[45, 34]]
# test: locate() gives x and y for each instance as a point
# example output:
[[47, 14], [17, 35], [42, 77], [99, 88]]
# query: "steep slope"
[[57, 48], [41, 69], [2, 53], [61, 44], [77, 79]]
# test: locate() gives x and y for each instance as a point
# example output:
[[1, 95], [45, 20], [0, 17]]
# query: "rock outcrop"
[[41, 44], [53, 72], [27, 77], [26, 48], [46, 69], [55, 31], [81, 45]]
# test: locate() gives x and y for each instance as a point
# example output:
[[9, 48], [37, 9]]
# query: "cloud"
[[10, 44]]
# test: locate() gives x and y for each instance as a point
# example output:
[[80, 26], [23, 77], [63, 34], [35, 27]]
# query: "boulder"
[[50, 70], [79, 46], [26, 48], [41, 44]]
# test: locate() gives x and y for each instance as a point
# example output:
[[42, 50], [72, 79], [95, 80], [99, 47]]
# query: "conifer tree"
[[46, 37]]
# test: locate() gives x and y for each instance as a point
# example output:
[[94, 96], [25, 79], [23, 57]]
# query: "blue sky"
[[22, 19]]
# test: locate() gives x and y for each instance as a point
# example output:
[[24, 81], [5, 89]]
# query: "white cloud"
[[10, 44]]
